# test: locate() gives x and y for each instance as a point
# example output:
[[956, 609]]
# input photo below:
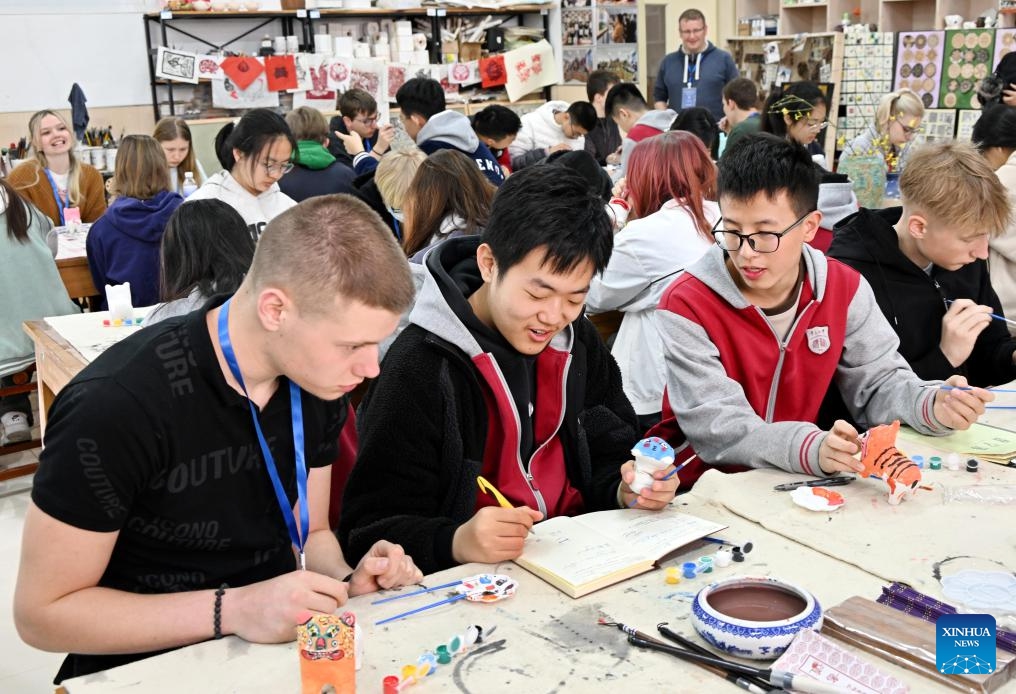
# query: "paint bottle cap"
[[918, 460], [723, 557], [953, 461], [443, 656], [972, 465], [689, 568], [390, 684], [673, 576], [936, 463], [706, 564], [737, 555]]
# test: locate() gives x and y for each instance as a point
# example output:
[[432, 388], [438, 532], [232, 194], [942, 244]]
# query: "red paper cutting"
[[280, 71], [492, 72], [242, 71]]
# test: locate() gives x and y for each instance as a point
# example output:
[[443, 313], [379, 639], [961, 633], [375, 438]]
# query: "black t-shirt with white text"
[[150, 441]]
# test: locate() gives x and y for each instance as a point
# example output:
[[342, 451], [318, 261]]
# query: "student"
[[317, 172], [123, 245], [498, 366], [798, 113], [255, 153], [740, 112], [925, 261], [757, 330], [497, 127], [553, 127], [897, 119], [54, 179], [1000, 86], [672, 189], [152, 523], [448, 197], [422, 111], [693, 75], [603, 141], [206, 250], [700, 123], [358, 115], [628, 108], [31, 287], [994, 135], [385, 189], [175, 137]]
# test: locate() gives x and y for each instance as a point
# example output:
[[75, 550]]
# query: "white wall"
[[50, 44]]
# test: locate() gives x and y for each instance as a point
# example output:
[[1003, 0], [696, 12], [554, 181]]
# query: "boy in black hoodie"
[[498, 374], [926, 263]]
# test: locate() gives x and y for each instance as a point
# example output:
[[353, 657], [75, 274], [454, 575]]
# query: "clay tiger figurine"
[[882, 460]]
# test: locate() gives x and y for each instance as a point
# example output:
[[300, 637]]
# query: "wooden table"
[[56, 363], [76, 277]]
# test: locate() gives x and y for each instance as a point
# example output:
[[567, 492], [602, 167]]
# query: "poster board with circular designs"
[[919, 64], [967, 59]]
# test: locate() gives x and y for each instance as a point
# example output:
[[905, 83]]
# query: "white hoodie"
[[540, 131], [256, 211], [649, 254]]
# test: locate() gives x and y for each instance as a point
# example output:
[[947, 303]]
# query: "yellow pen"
[[488, 488]]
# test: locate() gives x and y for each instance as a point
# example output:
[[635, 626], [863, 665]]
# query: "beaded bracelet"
[[217, 614]]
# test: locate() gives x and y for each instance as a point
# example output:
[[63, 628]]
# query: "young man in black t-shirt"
[[153, 490]]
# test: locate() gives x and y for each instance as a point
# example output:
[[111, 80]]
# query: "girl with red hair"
[[671, 189]]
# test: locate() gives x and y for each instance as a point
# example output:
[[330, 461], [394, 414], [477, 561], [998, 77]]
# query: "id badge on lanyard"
[[689, 93]]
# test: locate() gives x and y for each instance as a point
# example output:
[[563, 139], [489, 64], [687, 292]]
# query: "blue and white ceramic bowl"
[[754, 617]]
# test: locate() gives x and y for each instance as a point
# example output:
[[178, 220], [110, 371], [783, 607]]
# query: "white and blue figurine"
[[650, 455]]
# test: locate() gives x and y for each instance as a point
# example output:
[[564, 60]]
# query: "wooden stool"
[[23, 384]]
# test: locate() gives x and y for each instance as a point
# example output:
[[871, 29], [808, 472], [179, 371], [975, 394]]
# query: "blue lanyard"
[[296, 408], [60, 204], [366, 146], [398, 230]]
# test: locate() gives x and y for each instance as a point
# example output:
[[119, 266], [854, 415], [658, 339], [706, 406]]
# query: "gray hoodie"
[[653, 118], [452, 130]]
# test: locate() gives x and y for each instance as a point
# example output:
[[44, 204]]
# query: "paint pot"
[[111, 159], [754, 617]]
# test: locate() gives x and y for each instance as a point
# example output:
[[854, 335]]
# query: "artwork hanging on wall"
[[968, 55], [867, 75], [599, 36], [919, 57]]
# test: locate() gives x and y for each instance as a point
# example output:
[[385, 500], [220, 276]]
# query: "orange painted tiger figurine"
[[882, 460]]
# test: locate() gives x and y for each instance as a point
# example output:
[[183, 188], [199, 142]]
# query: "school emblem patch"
[[818, 339]]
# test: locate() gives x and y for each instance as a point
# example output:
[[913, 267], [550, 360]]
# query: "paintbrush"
[[692, 646], [948, 302], [780, 679], [750, 684]]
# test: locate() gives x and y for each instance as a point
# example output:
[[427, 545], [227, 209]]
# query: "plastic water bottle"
[[189, 184]]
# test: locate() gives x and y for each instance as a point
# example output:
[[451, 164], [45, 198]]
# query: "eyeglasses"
[[816, 125], [760, 242], [907, 130], [692, 32], [366, 121], [280, 169]]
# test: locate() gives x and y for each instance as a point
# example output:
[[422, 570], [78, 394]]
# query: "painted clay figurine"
[[326, 644], [650, 455], [882, 460]]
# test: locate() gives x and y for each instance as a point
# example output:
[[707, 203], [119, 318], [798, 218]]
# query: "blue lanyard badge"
[[60, 204], [296, 408]]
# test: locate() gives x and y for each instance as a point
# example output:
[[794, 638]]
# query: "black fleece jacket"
[[913, 301], [423, 424]]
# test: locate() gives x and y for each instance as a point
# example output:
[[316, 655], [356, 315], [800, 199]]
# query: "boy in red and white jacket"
[[759, 328], [626, 105]]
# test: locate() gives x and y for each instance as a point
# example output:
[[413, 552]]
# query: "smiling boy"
[[500, 375], [757, 330], [927, 264]]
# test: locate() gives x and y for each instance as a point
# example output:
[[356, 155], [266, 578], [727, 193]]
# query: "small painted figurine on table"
[[882, 460], [327, 654]]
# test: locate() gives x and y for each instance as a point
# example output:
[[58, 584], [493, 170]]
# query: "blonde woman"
[[55, 180], [175, 137], [123, 246], [390, 183], [897, 119]]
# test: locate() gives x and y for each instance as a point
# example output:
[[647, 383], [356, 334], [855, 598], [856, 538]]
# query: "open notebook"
[[584, 553]]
